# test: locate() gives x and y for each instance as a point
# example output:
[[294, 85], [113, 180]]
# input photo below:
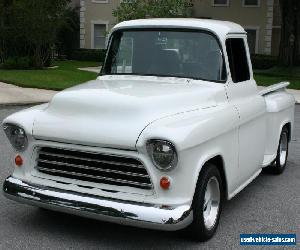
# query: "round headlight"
[[16, 135], [163, 154]]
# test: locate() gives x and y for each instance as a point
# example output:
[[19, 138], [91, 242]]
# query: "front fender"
[[198, 136], [25, 118]]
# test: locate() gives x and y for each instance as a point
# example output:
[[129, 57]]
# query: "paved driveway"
[[11, 94], [270, 204]]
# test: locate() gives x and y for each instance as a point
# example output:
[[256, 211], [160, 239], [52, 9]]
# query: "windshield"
[[190, 54]]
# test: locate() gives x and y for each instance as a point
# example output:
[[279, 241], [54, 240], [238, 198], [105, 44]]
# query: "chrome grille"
[[93, 167]]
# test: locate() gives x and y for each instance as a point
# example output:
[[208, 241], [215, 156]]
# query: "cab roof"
[[219, 28]]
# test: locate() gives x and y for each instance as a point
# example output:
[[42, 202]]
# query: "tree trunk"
[[4, 5], [37, 58], [290, 32]]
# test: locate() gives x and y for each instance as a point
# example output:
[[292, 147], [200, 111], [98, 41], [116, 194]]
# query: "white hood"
[[113, 111]]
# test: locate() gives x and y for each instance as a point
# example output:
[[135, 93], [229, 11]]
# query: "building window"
[[237, 57], [252, 37], [251, 3], [99, 36], [220, 2]]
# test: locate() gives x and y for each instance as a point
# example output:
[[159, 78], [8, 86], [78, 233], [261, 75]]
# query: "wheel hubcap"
[[283, 148], [211, 202]]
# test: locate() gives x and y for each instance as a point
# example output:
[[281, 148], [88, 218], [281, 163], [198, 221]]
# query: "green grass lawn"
[[277, 74], [66, 75]]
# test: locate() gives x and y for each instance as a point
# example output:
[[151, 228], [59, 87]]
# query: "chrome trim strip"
[[92, 168], [169, 218], [142, 184], [42, 141], [93, 160], [90, 151]]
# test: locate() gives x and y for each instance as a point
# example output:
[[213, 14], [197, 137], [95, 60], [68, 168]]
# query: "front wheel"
[[207, 203]]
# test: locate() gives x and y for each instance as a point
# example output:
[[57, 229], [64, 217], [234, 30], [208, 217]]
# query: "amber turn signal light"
[[165, 183], [19, 161]]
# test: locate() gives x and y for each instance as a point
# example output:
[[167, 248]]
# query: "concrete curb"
[[91, 69], [295, 93]]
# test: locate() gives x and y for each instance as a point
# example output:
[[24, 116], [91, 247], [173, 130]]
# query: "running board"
[[241, 187]]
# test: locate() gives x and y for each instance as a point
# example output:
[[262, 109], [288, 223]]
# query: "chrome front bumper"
[[118, 211]]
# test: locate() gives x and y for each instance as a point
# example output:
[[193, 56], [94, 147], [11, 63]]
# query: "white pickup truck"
[[173, 125]]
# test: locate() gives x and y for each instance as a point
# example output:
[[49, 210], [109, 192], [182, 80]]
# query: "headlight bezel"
[[172, 164], [10, 130]]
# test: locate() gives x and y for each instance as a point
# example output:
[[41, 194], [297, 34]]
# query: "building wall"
[[95, 12], [259, 18]]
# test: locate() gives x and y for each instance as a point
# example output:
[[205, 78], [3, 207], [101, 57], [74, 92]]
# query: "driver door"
[[243, 94]]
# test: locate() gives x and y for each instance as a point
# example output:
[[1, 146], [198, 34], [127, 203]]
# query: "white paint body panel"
[[220, 28], [115, 111], [119, 114]]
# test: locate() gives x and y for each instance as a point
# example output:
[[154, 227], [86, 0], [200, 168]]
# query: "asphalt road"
[[270, 204]]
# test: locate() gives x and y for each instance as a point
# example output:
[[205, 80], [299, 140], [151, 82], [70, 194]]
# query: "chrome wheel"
[[279, 164], [283, 147], [207, 203], [211, 204]]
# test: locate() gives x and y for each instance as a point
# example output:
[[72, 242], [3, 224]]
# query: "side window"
[[237, 58]]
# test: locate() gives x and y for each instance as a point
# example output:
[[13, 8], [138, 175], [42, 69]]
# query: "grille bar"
[[94, 177], [87, 159], [93, 167]]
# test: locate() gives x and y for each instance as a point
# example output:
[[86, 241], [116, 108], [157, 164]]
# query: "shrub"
[[68, 34], [9, 63], [17, 63], [36, 24], [95, 55], [263, 61], [24, 62]]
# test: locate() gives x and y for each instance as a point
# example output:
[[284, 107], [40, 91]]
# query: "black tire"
[[198, 229], [279, 165]]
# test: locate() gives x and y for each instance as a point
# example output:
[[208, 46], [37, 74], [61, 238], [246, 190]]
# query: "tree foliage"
[[30, 27], [289, 53], [136, 9], [68, 33]]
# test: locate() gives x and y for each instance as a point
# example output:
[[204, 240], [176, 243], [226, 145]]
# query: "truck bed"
[[273, 88]]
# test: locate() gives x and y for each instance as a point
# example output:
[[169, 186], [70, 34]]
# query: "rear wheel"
[[207, 203], [279, 164]]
